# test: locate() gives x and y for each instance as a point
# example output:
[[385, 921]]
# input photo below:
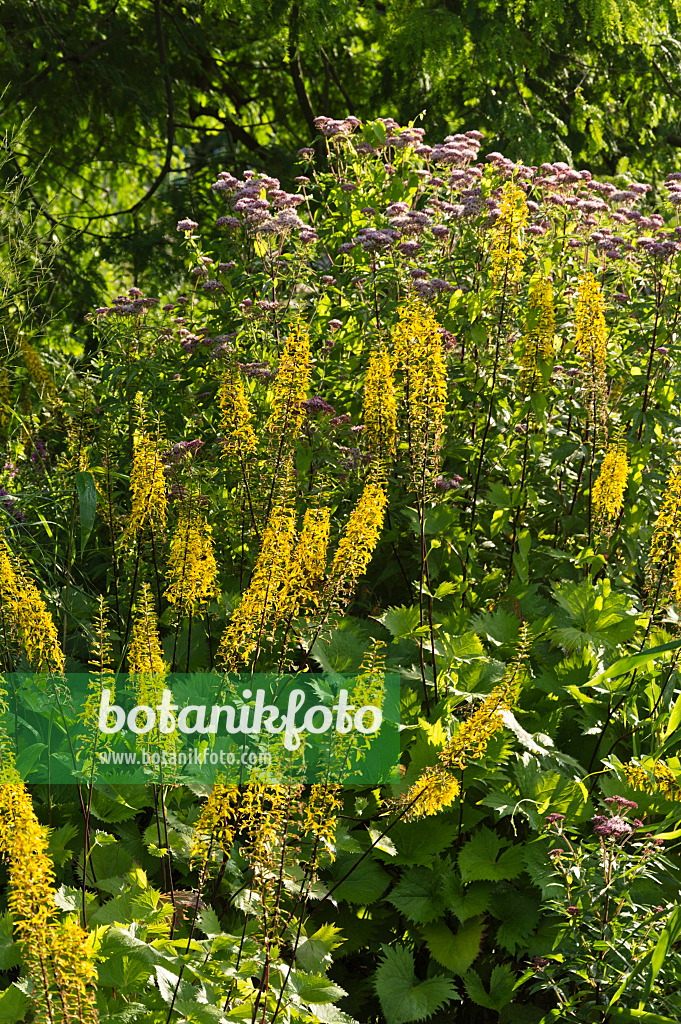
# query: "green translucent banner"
[[195, 728]]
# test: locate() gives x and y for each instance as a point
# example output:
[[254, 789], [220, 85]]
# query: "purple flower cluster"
[[445, 485], [180, 451], [134, 303]]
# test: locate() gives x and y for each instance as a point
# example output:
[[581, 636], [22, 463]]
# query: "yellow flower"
[[506, 252], [26, 611], [290, 386], [608, 492], [380, 406], [654, 778], [665, 547], [245, 628], [540, 328], [261, 820], [214, 831], [192, 570], [302, 587], [34, 365], [58, 954], [474, 734], [434, 790], [147, 481], [148, 668], [101, 677], [357, 542], [591, 332], [236, 420], [320, 817]]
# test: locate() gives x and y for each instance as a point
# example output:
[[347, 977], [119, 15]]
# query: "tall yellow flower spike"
[[609, 488], [591, 332], [656, 778], [664, 562], [506, 252], [357, 542], [26, 612], [147, 481], [290, 386], [236, 419], [59, 955], [539, 331], [192, 570], [380, 406], [302, 587], [39, 374], [245, 628]]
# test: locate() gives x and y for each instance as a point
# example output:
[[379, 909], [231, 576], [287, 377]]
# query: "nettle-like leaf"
[[314, 951], [402, 996], [402, 621], [418, 844], [456, 952], [467, 901], [482, 859], [419, 895], [591, 615], [501, 987], [518, 914], [364, 885]]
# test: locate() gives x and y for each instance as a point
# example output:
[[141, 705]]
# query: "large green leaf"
[[501, 987], [402, 996], [456, 952], [87, 499], [482, 859]]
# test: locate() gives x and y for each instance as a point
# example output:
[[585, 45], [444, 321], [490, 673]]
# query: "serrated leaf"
[[402, 621], [418, 845], [501, 987], [207, 921], [10, 953], [418, 895], [457, 951], [469, 901], [364, 885], [13, 1005], [481, 858], [314, 951], [317, 989], [402, 996]]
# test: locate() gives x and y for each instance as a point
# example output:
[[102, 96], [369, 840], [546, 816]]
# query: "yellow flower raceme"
[[58, 954], [418, 352], [244, 630], [357, 541], [380, 406], [475, 733], [101, 677], [26, 612], [591, 332], [192, 569], [261, 819], [302, 587], [609, 488], [506, 253], [147, 480], [217, 824], [434, 790], [665, 549], [654, 778], [290, 386], [34, 365], [539, 331], [148, 667], [236, 419], [320, 816]]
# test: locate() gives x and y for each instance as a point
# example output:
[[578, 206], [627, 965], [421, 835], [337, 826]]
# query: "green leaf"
[[364, 885], [501, 987], [87, 498], [317, 989], [481, 858], [469, 901], [314, 951], [668, 936], [417, 845], [455, 952], [402, 621], [10, 953], [402, 996], [13, 1005], [418, 895]]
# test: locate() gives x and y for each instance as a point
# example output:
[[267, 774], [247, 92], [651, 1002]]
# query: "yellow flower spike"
[[58, 954], [655, 779], [217, 824], [320, 817], [302, 587], [147, 665], [609, 488], [591, 332], [380, 407], [26, 612], [290, 386], [236, 419], [506, 252], [474, 734], [540, 329], [192, 569], [433, 791], [664, 562], [39, 374], [147, 481], [245, 629], [357, 542]]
